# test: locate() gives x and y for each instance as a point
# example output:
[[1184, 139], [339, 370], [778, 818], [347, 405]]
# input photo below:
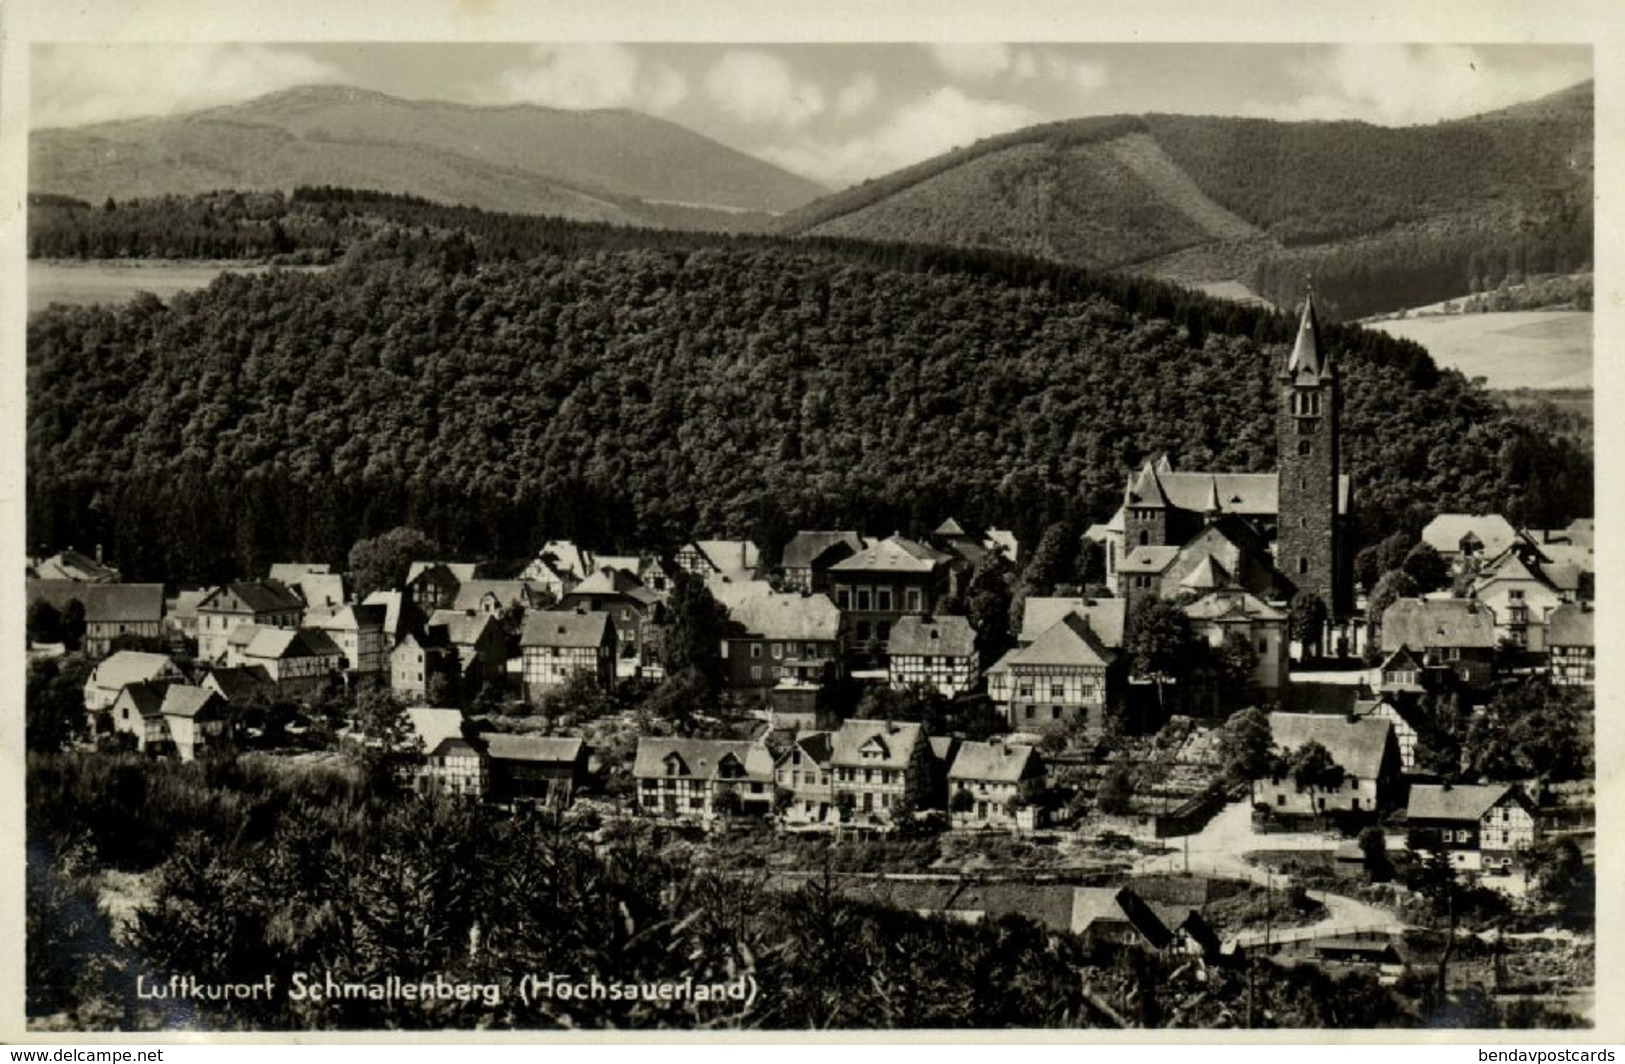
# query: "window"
[[843, 598], [1263, 646], [1057, 692], [1024, 690], [1280, 799], [883, 599], [863, 630], [756, 672], [1145, 538], [1303, 566], [863, 599], [778, 651], [882, 630], [1055, 713], [1306, 446], [756, 650], [913, 598]]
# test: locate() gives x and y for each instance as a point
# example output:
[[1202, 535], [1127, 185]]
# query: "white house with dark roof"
[[298, 660], [360, 634], [1218, 614], [138, 711], [804, 771], [739, 558], [1448, 633], [1479, 825], [266, 603], [684, 777], [1364, 748], [938, 651], [1571, 645], [1105, 616], [1521, 597], [993, 775], [556, 644], [1061, 677], [195, 718], [881, 764]]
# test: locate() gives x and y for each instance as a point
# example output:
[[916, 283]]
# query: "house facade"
[[138, 711], [359, 633], [684, 778], [631, 607], [804, 771], [806, 560], [535, 769], [1454, 634], [884, 582], [881, 765], [1364, 748], [455, 767], [1571, 646], [266, 603], [299, 661], [779, 638], [1218, 614], [1520, 598], [556, 644], [995, 778], [127, 667], [1060, 679], [414, 663], [111, 609], [937, 651], [1480, 826]]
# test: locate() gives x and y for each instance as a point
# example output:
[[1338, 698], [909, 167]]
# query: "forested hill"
[[1383, 217], [635, 396], [604, 165]]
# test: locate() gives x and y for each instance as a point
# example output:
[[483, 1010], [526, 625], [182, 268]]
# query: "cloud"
[[1411, 84], [858, 96], [587, 76], [974, 62], [76, 84], [761, 88], [928, 126]]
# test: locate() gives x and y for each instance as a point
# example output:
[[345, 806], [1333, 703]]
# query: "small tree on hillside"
[[1245, 746], [1306, 622], [1426, 567], [693, 639], [381, 562], [1312, 768], [1116, 794], [387, 747], [1157, 638]]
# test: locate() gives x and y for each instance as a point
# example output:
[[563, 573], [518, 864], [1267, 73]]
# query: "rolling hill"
[[1380, 216], [607, 165]]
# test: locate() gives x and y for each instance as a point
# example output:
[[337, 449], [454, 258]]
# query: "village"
[[1218, 692]]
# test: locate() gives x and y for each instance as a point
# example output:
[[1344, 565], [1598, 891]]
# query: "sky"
[[837, 113]]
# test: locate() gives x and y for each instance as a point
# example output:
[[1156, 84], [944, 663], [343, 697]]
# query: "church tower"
[[1309, 548]]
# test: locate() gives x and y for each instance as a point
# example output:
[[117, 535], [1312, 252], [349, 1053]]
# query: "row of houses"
[[864, 771]]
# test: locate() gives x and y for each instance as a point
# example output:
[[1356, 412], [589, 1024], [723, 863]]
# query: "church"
[[1275, 535]]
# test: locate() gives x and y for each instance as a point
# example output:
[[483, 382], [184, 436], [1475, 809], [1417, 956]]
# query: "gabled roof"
[[1106, 616], [1510, 568], [281, 644], [700, 758], [74, 566], [537, 748], [995, 762], [289, 572], [805, 548], [1208, 575], [565, 628], [321, 590], [1337, 699], [348, 618], [1232, 604], [606, 580], [185, 606], [460, 571], [243, 634], [507, 592], [259, 596], [894, 740], [894, 554], [730, 555], [185, 700], [1145, 489], [788, 616], [130, 666], [566, 558], [461, 628], [146, 696], [104, 603], [1358, 746], [1429, 624], [730, 592], [817, 745], [394, 622], [1118, 906], [1462, 801], [242, 681], [454, 747], [1571, 625], [628, 563], [1401, 660], [952, 527], [1445, 532], [1147, 560], [946, 634], [1069, 641]]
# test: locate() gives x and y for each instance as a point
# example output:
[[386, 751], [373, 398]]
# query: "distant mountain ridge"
[[1382, 215], [604, 165]]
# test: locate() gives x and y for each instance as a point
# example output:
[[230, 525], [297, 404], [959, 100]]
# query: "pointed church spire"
[[1146, 490], [1306, 352]]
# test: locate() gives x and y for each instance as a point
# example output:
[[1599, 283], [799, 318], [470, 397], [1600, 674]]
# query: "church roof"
[[1207, 575], [1145, 489], [1307, 358]]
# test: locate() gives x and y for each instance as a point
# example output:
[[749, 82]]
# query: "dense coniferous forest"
[[637, 388]]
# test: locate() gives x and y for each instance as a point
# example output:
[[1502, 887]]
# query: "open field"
[[1517, 349], [83, 283]]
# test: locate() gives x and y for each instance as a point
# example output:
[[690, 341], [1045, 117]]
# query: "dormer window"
[[674, 766]]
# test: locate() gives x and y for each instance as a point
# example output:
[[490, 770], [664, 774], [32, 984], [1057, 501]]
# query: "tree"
[[382, 562], [1306, 621], [1531, 728], [1426, 567], [1312, 768], [963, 801], [919, 703], [1374, 850], [387, 747], [1563, 883], [1157, 638], [579, 698], [44, 622], [1391, 587], [693, 640], [73, 624], [54, 702], [1237, 661], [1245, 746], [727, 803], [986, 602], [1053, 561], [1116, 794]]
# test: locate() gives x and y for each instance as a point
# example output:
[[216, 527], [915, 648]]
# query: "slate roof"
[[278, 644], [606, 580], [1206, 576], [391, 602], [818, 745], [454, 747], [1437, 623], [147, 696], [127, 667], [260, 596], [566, 557], [1069, 641], [730, 555], [185, 607], [460, 571], [1462, 801], [894, 554], [185, 700], [242, 681], [1358, 746], [1246, 494], [320, 590], [104, 603], [74, 566], [460, 627], [503, 746], [1513, 569], [1571, 625], [564, 628], [788, 616], [243, 634], [945, 634], [349, 618], [1147, 560], [1232, 603], [805, 548], [1106, 616], [730, 591], [508, 592], [1120, 906], [290, 572], [1445, 532], [897, 739], [700, 758], [1308, 360], [995, 762], [1337, 699]]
